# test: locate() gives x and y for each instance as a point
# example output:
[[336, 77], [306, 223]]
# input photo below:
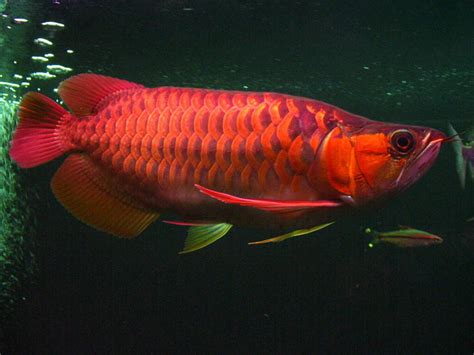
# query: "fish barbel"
[[216, 158]]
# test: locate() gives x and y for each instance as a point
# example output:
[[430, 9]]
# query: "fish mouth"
[[416, 168]]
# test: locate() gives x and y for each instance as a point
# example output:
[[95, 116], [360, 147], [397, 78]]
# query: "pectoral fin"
[[295, 233], [203, 235], [278, 206]]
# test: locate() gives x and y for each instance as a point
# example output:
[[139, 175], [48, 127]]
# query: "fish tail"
[[38, 137]]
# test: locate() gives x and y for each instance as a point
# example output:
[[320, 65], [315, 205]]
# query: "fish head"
[[364, 161], [388, 158]]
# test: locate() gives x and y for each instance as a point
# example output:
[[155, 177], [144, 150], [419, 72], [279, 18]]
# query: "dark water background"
[[400, 61]]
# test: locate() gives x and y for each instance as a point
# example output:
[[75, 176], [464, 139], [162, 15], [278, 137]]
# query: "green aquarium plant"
[[17, 227], [17, 264], [3, 5]]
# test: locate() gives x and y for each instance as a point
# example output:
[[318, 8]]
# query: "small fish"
[[11, 85], [19, 21], [52, 25], [405, 237], [39, 59], [42, 75], [216, 158], [49, 55], [58, 69], [43, 42]]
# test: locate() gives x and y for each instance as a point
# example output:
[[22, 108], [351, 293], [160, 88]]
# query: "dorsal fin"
[[84, 92]]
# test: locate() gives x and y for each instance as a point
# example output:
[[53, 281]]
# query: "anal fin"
[[83, 189]]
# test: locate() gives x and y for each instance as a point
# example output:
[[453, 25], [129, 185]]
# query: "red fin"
[[268, 205], [93, 198], [36, 139], [84, 92]]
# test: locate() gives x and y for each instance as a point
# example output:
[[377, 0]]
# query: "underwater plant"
[[3, 5], [17, 263]]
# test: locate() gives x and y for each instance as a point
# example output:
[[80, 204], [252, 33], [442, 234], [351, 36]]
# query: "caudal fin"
[[37, 139]]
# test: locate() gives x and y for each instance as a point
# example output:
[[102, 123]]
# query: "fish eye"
[[402, 141]]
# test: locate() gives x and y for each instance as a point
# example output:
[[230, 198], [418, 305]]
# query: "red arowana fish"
[[216, 158]]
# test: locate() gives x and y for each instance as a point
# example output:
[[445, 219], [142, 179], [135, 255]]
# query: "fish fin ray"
[[278, 206], [84, 191], [84, 92], [37, 139], [295, 233], [203, 235]]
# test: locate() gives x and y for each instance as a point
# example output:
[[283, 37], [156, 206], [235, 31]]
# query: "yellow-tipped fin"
[[201, 236], [295, 233]]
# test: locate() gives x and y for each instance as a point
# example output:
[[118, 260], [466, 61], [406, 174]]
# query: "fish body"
[[223, 157], [405, 237]]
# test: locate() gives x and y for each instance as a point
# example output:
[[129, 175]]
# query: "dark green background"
[[322, 293]]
